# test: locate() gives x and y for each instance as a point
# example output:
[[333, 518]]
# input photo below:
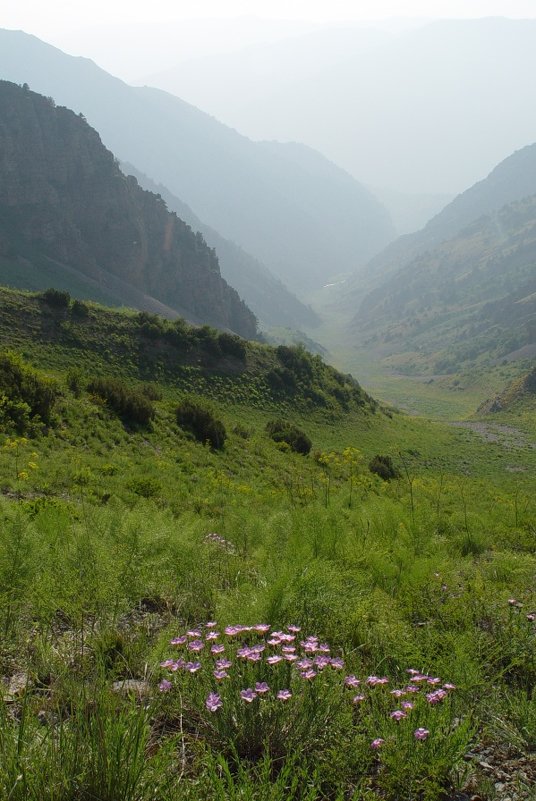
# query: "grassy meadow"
[[246, 622]]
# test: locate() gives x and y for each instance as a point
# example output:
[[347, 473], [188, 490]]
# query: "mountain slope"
[[64, 199], [472, 299], [302, 216], [511, 180], [266, 296]]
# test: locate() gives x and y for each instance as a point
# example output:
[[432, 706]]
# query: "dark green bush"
[[151, 391], [232, 345], [530, 380], [296, 439], [151, 325], [296, 359], [383, 467], [200, 421], [130, 404], [208, 338], [27, 397], [56, 298], [146, 487], [79, 309], [75, 381]]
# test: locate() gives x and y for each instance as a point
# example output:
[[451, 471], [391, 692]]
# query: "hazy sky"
[[42, 18]]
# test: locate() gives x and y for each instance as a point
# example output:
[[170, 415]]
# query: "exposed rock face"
[[63, 196]]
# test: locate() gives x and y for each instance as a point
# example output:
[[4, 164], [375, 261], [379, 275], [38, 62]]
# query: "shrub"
[[56, 298], [209, 341], [27, 396], [530, 380], [200, 421], [151, 391], [75, 381], [130, 404], [146, 487], [296, 439], [232, 345], [79, 309], [383, 467]]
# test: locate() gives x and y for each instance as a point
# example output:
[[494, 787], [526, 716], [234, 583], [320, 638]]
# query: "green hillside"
[[134, 555]]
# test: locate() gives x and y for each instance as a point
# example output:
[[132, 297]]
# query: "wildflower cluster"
[[264, 669], [217, 539]]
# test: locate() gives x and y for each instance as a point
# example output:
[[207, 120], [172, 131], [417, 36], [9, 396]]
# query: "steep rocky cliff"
[[63, 197]]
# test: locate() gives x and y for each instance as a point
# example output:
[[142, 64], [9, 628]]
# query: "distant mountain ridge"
[[426, 110], [302, 216], [470, 298], [272, 303], [64, 199], [513, 179]]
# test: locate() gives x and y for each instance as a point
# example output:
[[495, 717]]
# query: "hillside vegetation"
[[471, 300], [188, 618]]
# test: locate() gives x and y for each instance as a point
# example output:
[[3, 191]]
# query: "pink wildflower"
[[273, 660], [436, 696], [308, 674], [165, 686], [398, 714], [421, 734], [220, 674], [213, 702], [179, 640], [357, 699], [217, 648], [377, 743], [196, 645], [261, 687], [284, 695], [352, 681], [248, 695]]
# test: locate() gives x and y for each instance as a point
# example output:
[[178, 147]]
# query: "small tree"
[[383, 467]]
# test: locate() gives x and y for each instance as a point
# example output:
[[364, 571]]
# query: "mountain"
[[266, 296], [64, 200], [512, 179], [301, 215], [470, 300], [430, 110], [521, 392]]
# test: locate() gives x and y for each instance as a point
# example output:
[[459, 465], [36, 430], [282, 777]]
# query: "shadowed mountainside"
[[63, 199], [267, 297]]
